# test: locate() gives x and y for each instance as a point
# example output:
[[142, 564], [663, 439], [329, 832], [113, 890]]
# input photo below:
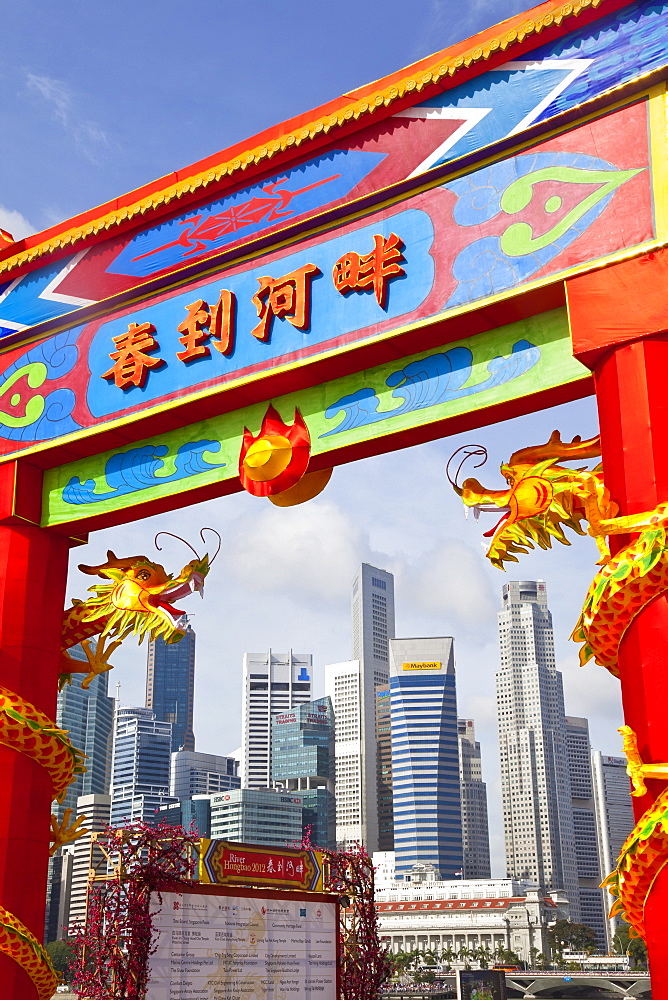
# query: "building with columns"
[[472, 913]]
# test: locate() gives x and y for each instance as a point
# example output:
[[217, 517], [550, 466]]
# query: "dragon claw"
[[65, 832]]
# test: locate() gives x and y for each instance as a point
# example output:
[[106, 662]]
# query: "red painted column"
[[619, 316], [33, 576], [633, 409]]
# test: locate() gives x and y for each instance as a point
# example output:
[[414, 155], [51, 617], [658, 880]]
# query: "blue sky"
[[99, 99]]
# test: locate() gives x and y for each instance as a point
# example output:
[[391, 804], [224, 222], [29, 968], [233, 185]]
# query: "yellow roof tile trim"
[[357, 109]]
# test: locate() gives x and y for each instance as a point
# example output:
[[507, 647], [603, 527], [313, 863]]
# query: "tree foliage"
[[62, 955], [635, 948], [578, 937]]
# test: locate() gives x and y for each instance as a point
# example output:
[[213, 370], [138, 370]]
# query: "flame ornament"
[[277, 458]]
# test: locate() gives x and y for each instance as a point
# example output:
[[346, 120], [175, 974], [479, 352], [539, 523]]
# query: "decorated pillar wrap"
[[618, 316], [33, 576]]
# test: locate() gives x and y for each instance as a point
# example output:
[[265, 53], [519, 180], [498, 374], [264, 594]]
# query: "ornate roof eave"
[[383, 98]]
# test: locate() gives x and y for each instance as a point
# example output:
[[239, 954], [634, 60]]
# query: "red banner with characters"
[[224, 862]]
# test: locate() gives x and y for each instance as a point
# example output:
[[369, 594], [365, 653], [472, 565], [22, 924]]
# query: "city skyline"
[[418, 717], [307, 604]]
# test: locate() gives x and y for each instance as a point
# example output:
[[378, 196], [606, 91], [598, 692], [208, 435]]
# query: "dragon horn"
[[556, 448], [113, 562]]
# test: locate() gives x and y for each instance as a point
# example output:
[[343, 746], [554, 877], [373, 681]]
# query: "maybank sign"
[[423, 665]]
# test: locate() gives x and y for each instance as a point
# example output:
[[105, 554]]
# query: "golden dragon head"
[[140, 597], [540, 496]]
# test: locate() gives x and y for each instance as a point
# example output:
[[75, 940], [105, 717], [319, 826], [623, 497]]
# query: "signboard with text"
[[218, 944], [228, 863]]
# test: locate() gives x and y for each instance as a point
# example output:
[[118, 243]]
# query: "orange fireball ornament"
[[277, 458]]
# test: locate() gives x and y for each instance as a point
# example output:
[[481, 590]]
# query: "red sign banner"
[[224, 862]]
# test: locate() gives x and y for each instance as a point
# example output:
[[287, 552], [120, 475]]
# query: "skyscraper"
[[373, 619], [272, 683], [192, 814], [614, 817], [584, 824], [140, 772], [352, 686], [475, 828], [537, 806], [425, 756], [170, 686], [257, 816], [96, 809], [87, 715], [58, 894], [302, 763], [384, 769], [194, 773]]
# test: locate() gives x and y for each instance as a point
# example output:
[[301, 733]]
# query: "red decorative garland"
[[114, 947]]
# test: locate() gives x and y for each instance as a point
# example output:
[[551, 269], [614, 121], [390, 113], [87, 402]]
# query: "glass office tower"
[[302, 763], [425, 756], [170, 686]]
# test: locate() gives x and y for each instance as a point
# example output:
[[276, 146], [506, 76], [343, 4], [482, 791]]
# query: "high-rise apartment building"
[[140, 771], [592, 903], [352, 686], [302, 763], [425, 756], [614, 816], [272, 683], [475, 828], [193, 773], [170, 686], [537, 806]]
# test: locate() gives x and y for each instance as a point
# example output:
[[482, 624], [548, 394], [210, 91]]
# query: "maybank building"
[[425, 756]]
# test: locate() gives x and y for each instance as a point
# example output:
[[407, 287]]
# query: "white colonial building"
[[435, 915]]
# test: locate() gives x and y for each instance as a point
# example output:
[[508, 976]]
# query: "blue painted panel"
[[507, 96], [302, 189], [629, 43], [24, 306], [332, 315]]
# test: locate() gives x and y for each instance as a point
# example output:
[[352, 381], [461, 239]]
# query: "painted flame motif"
[[277, 458]]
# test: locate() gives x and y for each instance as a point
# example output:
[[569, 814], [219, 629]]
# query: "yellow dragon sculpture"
[[135, 599], [542, 498]]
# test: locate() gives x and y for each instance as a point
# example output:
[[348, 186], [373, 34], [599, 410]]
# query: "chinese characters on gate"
[[287, 297]]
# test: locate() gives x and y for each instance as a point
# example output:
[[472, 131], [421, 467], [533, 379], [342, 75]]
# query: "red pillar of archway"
[[33, 576], [619, 316]]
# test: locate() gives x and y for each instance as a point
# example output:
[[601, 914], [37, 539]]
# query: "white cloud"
[[309, 551], [15, 224], [88, 136], [450, 581], [592, 692]]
